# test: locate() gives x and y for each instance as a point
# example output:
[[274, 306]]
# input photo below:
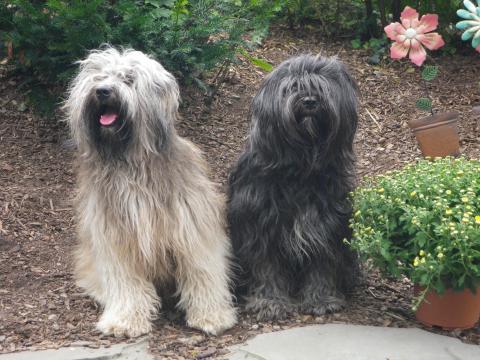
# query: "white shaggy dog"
[[147, 212]]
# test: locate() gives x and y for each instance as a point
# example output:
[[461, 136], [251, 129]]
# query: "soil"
[[40, 306]]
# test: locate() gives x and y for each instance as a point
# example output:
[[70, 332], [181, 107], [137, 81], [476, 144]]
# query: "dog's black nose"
[[309, 102], [103, 92]]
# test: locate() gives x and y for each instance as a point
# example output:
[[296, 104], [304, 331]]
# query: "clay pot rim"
[[448, 289], [430, 314], [434, 120]]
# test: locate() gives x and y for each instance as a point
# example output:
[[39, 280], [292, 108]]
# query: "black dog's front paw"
[[269, 309], [322, 307]]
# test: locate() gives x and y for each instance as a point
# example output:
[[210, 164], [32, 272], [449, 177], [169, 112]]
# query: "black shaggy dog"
[[288, 194]]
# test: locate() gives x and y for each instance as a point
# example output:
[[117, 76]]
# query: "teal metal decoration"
[[471, 25]]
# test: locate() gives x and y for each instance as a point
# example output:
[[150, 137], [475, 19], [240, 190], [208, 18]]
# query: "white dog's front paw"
[[214, 323], [124, 325]]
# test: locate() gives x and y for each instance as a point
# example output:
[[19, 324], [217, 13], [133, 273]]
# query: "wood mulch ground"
[[40, 307]]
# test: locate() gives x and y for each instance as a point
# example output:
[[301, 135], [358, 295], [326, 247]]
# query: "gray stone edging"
[[130, 351]]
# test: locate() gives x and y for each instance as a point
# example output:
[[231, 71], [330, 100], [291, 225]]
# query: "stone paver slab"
[[133, 351], [353, 342]]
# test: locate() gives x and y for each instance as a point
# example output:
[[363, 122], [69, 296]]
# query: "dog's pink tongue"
[[108, 119]]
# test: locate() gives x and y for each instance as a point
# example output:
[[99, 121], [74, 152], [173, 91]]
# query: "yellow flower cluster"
[[419, 259], [466, 218]]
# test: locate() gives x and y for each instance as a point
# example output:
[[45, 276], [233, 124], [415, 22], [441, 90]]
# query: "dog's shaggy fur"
[[147, 212], [288, 197]]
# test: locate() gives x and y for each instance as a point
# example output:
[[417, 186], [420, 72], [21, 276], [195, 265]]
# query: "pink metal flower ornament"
[[412, 34]]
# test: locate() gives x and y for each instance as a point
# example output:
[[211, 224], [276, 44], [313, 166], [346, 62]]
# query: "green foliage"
[[429, 72], [422, 222], [51, 35], [187, 36], [371, 44], [424, 104], [376, 47], [264, 65], [356, 43], [5, 24], [360, 18], [332, 17]]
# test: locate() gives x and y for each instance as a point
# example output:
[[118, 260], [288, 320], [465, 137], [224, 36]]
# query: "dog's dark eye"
[[128, 79], [287, 91], [99, 78]]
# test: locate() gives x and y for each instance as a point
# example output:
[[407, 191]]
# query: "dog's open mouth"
[[108, 117]]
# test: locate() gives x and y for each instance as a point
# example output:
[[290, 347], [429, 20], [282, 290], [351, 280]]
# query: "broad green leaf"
[[356, 43], [256, 61]]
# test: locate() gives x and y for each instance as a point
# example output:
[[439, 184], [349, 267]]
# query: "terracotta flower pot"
[[437, 135], [451, 310]]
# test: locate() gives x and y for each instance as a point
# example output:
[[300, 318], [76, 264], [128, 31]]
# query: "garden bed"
[[40, 307]]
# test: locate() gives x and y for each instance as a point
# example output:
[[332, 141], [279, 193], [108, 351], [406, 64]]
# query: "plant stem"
[[425, 87]]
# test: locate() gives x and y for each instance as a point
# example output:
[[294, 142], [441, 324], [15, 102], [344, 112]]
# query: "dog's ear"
[[272, 109], [167, 109], [343, 102], [158, 94], [167, 90], [266, 111], [349, 105]]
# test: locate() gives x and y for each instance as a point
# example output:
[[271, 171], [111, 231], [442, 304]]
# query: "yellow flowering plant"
[[422, 222]]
